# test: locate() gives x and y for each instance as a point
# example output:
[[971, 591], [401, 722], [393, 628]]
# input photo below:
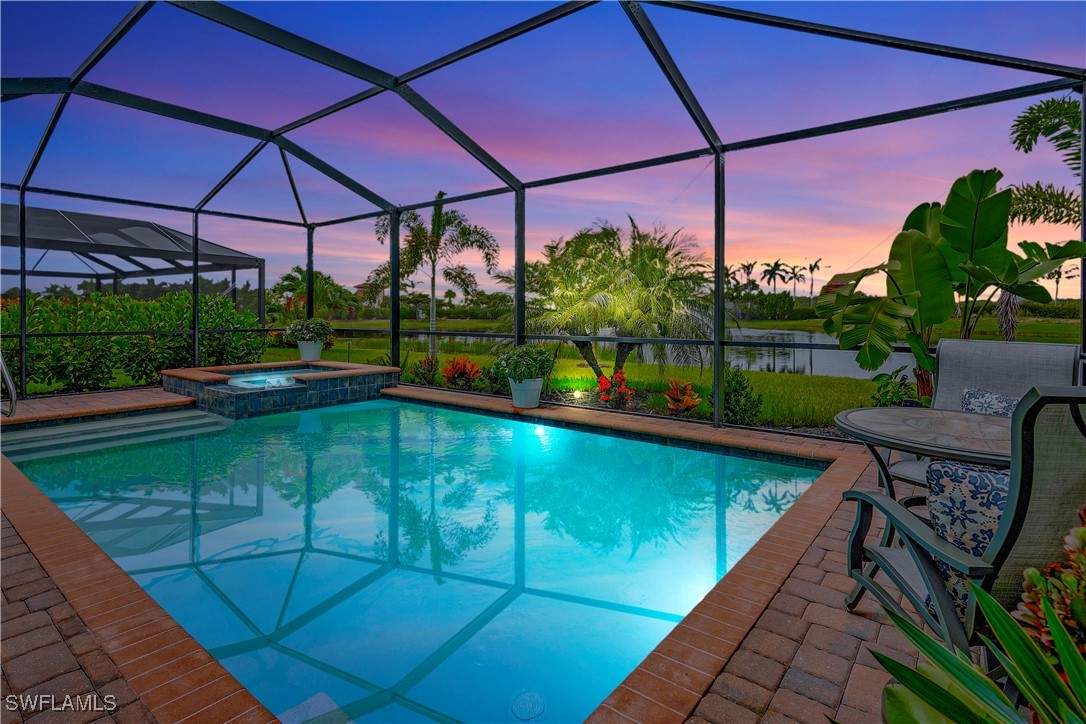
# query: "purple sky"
[[578, 94]]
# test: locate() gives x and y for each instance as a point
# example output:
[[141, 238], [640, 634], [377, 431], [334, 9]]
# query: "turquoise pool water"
[[389, 562]]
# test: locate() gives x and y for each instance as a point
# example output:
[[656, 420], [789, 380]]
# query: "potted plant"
[[311, 336], [525, 367]]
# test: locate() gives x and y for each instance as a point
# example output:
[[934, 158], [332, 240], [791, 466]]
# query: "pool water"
[[386, 561]]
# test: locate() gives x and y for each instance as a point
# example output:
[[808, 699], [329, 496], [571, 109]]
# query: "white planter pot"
[[311, 351], [526, 393]]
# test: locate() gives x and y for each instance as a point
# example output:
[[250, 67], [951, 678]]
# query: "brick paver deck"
[[112, 402], [48, 649]]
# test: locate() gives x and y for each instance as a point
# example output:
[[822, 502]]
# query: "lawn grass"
[[1029, 329], [787, 400]]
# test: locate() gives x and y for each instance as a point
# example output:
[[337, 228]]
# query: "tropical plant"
[[772, 271], [957, 248], [949, 687], [641, 283], [310, 330], [432, 249], [681, 397], [286, 299], [1058, 120], [526, 362], [424, 372], [461, 373], [616, 390], [893, 388]]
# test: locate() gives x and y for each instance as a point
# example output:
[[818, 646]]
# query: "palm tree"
[[812, 268], [1058, 274], [426, 247], [748, 271], [1059, 120], [772, 272], [638, 284], [794, 274], [329, 296]]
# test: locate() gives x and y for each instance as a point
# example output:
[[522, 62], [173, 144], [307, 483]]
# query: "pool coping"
[[671, 681], [169, 671]]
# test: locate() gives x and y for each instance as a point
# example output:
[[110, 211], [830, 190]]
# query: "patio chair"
[[986, 525], [1005, 368]]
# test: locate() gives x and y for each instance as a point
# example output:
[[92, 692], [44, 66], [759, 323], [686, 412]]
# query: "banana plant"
[[945, 251], [949, 687]]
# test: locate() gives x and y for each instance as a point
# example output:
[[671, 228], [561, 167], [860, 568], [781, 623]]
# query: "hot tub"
[[238, 391]]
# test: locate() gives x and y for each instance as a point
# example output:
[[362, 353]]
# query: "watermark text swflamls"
[[68, 702]]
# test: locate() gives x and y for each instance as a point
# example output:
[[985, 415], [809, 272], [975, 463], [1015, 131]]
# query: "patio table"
[[939, 434]]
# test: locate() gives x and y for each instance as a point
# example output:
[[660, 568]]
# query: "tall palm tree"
[[812, 268], [426, 247], [772, 272], [1058, 274], [794, 274], [747, 268]]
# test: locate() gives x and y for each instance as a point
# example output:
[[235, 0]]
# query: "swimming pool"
[[386, 561]]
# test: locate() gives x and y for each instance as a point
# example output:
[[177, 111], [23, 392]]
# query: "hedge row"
[[91, 363]]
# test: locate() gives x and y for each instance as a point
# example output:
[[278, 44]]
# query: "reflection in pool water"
[[393, 562]]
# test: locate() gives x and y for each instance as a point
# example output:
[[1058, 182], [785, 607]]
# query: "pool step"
[[85, 436]]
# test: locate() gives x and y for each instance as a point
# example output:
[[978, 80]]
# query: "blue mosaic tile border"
[[709, 447]]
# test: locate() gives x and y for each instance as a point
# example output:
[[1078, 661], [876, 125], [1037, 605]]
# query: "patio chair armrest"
[[909, 526]]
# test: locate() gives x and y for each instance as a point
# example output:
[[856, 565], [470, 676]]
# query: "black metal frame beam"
[[886, 41], [127, 23], [663, 58], [303, 47]]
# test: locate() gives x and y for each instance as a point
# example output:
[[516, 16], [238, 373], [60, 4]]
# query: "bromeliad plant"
[[1063, 586], [947, 256], [949, 687]]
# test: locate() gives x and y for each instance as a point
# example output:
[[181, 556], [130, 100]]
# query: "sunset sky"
[[578, 94]]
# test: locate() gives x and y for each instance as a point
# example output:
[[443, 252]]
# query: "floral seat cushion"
[[988, 403], [964, 506]]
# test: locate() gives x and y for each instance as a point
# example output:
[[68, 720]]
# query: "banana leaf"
[[925, 218], [975, 222], [923, 272]]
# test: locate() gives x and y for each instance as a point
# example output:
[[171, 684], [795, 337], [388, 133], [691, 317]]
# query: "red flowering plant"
[[604, 388], [461, 373], [622, 394]]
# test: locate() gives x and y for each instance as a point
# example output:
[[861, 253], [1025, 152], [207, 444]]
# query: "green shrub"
[[802, 313], [1071, 309], [311, 330], [759, 305], [423, 372], [740, 404]]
